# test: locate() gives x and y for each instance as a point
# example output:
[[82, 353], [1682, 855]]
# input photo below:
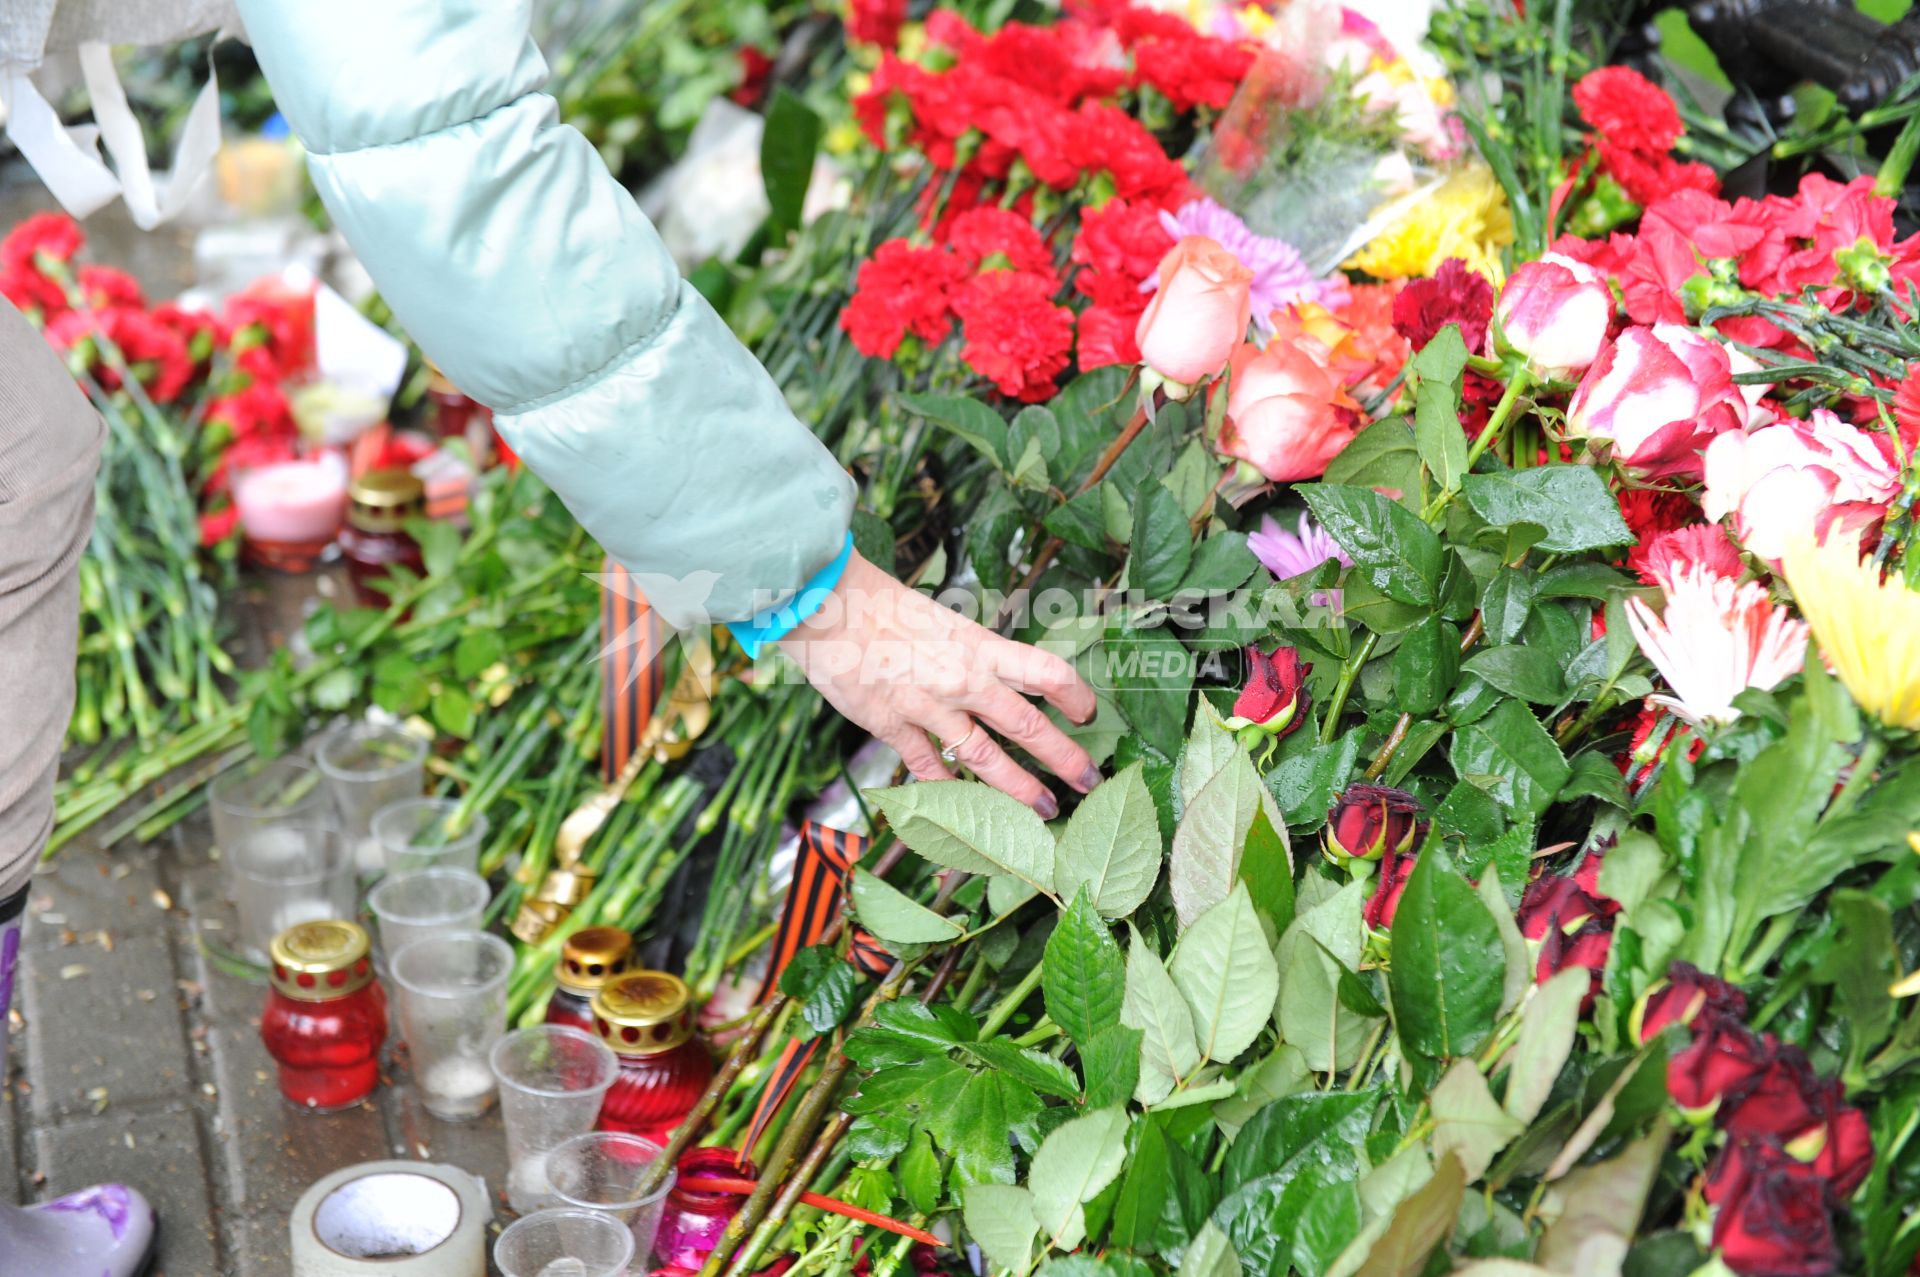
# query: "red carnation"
[[1646, 177], [1771, 1218], [103, 286], [1016, 336], [217, 525], [1102, 138], [1906, 403], [1108, 337], [992, 238], [1668, 553], [154, 353], [1192, 69], [53, 234], [876, 22], [1651, 511], [1628, 110], [756, 68], [901, 289], [1453, 295], [277, 320], [1119, 247]]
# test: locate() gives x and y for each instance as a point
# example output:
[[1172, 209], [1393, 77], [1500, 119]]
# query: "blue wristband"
[[754, 633]]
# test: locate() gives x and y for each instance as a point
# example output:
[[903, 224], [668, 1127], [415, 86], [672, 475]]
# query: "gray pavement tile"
[[110, 1028], [159, 1152]]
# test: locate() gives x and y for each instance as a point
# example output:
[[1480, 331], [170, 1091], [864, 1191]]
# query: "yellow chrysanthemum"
[[1466, 217], [1868, 628]]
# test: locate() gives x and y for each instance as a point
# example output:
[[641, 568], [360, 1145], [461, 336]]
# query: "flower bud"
[[1275, 694], [1370, 821], [1555, 313]]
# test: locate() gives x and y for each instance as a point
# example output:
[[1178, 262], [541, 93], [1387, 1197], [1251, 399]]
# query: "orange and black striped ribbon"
[[821, 871], [629, 690]]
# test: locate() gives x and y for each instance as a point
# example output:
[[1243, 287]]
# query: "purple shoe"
[[106, 1230]]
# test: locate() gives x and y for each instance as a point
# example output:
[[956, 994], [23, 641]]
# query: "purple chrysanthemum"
[[1280, 277], [1289, 554]]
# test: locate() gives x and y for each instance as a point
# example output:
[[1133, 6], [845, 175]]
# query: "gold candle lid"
[[383, 500], [593, 956], [643, 1013], [320, 961]]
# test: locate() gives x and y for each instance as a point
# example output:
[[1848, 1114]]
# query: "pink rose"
[[1657, 396], [1792, 480], [1286, 412], [1199, 314], [1555, 312]]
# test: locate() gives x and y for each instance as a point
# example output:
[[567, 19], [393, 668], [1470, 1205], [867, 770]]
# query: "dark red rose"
[[1726, 1059], [1686, 995], [1371, 820], [1585, 946], [1779, 1101], [1771, 1216], [1844, 1152], [1275, 692], [1455, 295], [1395, 868], [1554, 902]]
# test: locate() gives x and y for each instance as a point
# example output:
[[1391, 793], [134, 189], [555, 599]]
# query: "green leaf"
[[826, 987], [1420, 1224], [1150, 675], [1448, 962], [1111, 846], [873, 539], [1162, 545], [920, 1174], [1504, 605], [1600, 1209], [1210, 1254], [974, 1129], [1330, 1221], [1030, 1068], [1266, 868], [1210, 747], [1111, 1061], [1593, 775], [1305, 782], [972, 420], [1510, 755], [971, 827], [1000, 1218], [787, 149], [1525, 672], [1226, 972], [1312, 1128], [336, 689], [1388, 543], [1080, 521], [1467, 1122], [1083, 976], [1426, 665], [1570, 501], [1285, 1072], [894, 917], [1211, 835], [1436, 431], [1153, 1005], [1546, 1040], [1519, 971], [476, 650], [1073, 1165], [1222, 562], [1143, 1195], [1383, 456], [1309, 1013]]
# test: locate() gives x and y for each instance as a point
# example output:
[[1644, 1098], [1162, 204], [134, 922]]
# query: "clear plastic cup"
[[420, 833], [261, 791], [453, 1007], [369, 767], [552, 1078], [564, 1243], [413, 906], [288, 872], [602, 1171]]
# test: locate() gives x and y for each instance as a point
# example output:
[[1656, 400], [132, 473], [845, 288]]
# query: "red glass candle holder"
[[376, 540], [692, 1220], [325, 1016], [589, 958], [647, 1018]]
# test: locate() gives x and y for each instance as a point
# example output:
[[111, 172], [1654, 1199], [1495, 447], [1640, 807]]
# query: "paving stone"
[[111, 1026], [161, 1153], [86, 891], [478, 1147], [9, 1139], [271, 1152]]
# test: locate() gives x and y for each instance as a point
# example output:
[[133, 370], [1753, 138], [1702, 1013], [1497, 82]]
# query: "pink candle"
[[293, 500]]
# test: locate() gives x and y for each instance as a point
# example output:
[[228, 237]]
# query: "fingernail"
[[1048, 806], [1089, 778]]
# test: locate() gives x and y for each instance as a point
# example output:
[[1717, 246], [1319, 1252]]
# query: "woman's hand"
[[900, 665]]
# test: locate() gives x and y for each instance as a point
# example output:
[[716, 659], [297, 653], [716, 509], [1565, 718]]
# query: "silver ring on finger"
[[950, 754]]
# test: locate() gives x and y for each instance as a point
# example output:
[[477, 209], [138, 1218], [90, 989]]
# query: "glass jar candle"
[[647, 1018], [589, 958], [325, 1016], [290, 511], [693, 1219], [376, 538]]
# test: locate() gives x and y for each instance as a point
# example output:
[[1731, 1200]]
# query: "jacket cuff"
[[754, 633]]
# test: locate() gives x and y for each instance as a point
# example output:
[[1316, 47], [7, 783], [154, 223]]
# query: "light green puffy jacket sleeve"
[[530, 276]]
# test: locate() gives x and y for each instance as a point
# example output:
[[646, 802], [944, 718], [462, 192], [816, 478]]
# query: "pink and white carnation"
[[1281, 278], [1792, 481], [1717, 638]]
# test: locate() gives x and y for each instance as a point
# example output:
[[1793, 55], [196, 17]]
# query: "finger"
[[980, 754], [1020, 721], [1041, 673], [918, 753]]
